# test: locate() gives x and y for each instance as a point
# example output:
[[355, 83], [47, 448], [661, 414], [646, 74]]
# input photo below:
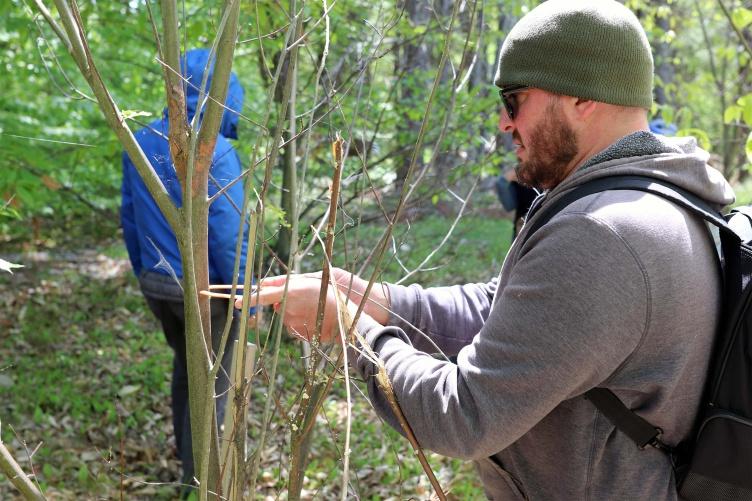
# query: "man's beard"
[[551, 148]]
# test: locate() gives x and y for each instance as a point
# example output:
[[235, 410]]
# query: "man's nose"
[[505, 123]]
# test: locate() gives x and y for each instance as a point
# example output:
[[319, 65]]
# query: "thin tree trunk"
[[192, 152], [415, 58], [289, 198], [664, 58]]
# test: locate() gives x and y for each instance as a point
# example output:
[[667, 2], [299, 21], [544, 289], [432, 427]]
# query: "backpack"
[[715, 463]]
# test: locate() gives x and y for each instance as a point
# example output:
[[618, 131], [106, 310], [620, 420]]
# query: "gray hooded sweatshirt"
[[619, 290]]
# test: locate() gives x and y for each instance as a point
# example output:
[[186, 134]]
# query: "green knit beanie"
[[593, 49]]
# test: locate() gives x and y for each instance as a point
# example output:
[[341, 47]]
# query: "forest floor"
[[84, 384]]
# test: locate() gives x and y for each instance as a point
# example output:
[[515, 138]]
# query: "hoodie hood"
[[678, 160], [192, 65]]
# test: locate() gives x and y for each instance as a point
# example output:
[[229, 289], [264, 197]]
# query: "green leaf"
[[748, 148], [82, 475], [415, 114], [128, 114], [276, 213], [419, 29], [732, 114], [742, 17], [7, 266], [746, 104]]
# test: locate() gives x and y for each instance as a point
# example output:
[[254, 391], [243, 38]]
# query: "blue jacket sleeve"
[[128, 217], [224, 214]]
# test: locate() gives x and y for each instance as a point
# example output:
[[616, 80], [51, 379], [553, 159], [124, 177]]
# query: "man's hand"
[[303, 298]]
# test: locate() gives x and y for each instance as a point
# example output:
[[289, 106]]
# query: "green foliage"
[[89, 385], [58, 151], [742, 112], [702, 66], [473, 253], [101, 365], [743, 192]]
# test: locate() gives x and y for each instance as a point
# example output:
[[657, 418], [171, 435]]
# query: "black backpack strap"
[[655, 186], [625, 420], [640, 431]]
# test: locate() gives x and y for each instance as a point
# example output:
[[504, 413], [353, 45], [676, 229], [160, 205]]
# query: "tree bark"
[[289, 196], [664, 56]]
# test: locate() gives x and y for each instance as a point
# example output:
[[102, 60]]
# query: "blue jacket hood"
[[150, 241], [193, 64]]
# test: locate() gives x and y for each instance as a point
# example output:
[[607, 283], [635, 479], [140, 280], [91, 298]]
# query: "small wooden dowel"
[[221, 295], [224, 286]]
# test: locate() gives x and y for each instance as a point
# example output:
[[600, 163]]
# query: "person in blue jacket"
[[153, 249]]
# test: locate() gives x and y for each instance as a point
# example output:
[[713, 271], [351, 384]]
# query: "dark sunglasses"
[[509, 99]]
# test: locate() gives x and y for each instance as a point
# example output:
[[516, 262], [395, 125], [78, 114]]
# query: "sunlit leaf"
[[732, 114], [742, 17], [128, 390], [746, 105], [128, 114], [8, 266]]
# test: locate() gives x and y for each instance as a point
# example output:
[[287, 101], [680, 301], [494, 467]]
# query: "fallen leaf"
[[128, 390]]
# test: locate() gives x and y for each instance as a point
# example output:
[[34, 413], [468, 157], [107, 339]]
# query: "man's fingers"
[[270, 281], [264, 289], [263, 296]]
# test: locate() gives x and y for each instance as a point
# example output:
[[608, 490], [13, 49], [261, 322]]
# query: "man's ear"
[[583, 109]]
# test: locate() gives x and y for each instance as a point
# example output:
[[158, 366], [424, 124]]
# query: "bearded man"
[[619, 290]]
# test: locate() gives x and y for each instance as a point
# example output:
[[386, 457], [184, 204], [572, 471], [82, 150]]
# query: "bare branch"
[[53, 24], [736, 29], [16, 475]]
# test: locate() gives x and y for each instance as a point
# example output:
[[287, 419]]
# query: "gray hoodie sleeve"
[[575, 307], [450, 316]]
